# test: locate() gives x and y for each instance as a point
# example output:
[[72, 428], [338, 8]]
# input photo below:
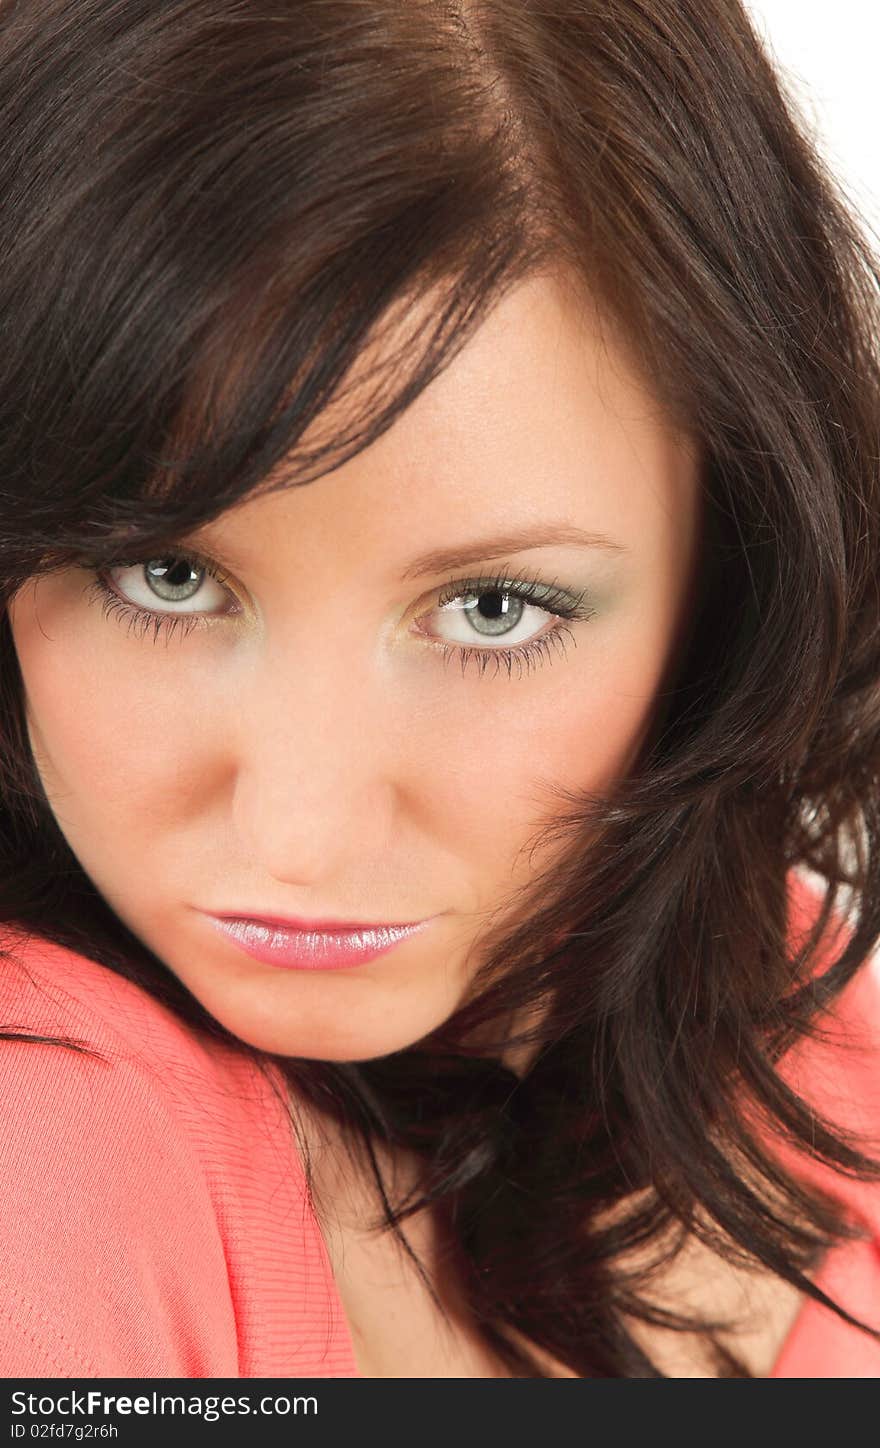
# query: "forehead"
[[542, 416]]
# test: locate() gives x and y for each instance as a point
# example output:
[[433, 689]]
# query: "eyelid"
[[167, 550], [509, 579], [566, 607], [192, 555], [522, 581], [496, 576]]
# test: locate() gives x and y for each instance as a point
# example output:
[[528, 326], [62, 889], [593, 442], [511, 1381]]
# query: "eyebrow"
[[484, 549]]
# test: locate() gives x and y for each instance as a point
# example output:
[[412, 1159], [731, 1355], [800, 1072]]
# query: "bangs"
[[279, 397], [223, 258]]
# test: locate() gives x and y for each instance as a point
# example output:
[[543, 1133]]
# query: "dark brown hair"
[[187, 181]]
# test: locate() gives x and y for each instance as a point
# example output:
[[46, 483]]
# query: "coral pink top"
[[153, 1214]]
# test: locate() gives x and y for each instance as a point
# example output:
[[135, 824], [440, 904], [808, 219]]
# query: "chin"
[[329, 1041]]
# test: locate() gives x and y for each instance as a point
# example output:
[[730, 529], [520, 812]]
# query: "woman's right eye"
[[131, 591], [176, 579]]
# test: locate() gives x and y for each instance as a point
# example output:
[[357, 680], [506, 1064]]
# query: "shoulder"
[[846, 1046], [58, 991], [114, 1158], [837, 1069]]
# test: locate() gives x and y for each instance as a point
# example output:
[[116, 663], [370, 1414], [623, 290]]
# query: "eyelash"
[[565, 607]]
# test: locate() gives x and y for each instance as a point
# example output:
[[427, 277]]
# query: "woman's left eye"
[[501, 619], [481, 613]]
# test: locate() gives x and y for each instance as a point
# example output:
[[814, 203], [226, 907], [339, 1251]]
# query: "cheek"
[[578, 726], [104, 766], [106, 747]]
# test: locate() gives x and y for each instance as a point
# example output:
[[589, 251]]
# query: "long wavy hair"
[[207, 210]]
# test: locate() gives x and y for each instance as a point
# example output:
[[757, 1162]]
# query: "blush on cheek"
[[100, 762]]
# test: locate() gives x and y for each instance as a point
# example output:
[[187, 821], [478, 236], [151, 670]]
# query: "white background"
[[827, 52]]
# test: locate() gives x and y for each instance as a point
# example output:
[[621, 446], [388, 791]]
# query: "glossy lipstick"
[[293, 948]]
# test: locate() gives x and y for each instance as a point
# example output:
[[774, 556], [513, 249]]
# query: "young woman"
[[439, 539]]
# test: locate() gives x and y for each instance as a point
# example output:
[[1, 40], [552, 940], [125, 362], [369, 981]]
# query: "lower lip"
[[313, 950]]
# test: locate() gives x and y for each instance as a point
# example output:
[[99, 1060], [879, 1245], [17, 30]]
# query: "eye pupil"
[[165, 569], [495, 607], [176, 576]]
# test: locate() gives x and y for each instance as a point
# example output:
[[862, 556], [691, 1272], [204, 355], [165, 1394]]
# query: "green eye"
[[498, 619], [487, 609]]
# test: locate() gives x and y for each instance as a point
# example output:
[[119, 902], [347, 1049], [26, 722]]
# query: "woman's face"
[[320, 746]]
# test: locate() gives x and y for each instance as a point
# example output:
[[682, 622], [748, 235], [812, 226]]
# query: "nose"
[[314, 789]]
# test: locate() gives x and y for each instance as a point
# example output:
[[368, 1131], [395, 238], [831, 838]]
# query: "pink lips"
[[295, 949]]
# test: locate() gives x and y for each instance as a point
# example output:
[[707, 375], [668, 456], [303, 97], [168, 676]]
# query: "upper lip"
[[291, 922]]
